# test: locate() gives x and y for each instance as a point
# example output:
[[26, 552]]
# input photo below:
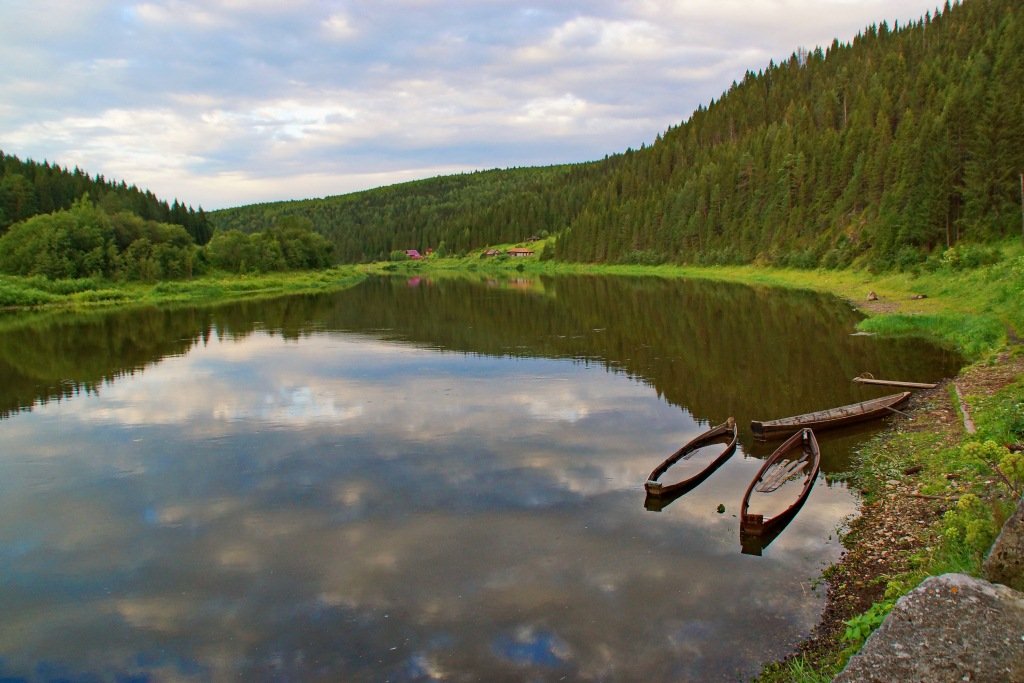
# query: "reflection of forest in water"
[[716, 349]]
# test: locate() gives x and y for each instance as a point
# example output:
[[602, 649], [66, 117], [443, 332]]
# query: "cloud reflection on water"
[[346, 508]]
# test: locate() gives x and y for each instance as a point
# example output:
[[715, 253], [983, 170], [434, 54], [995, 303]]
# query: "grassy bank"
[[20, 293]]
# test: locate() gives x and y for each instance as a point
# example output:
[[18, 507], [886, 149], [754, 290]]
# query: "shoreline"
[[855, 582], [89, 295], [898, 527]]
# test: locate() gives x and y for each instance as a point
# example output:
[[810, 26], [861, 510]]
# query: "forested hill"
[[905, 140], [458, 212], [29, 188]]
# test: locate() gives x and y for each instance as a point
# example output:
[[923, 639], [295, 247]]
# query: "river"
[[417, 480]]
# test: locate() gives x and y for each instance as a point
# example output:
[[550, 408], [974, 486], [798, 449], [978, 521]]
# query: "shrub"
[[15, 295], [966, 256], [970, 522], [643, 257], [78, 242], [909, 258], [805, 259], [863, 625]]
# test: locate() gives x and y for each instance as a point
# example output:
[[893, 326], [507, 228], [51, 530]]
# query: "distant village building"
[[413, 254], [492, 252], [520, 251]]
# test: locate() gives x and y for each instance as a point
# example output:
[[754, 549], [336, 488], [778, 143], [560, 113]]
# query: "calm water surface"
[[415, 481]]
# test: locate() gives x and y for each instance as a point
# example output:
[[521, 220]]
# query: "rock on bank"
[[950, 628]]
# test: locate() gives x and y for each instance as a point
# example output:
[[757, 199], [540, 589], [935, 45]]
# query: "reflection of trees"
[[56, 357], [51, 357], [718, 349]]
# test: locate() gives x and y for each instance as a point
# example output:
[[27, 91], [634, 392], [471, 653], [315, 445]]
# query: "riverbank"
[[932, 504], [974, 309], [37, 293]]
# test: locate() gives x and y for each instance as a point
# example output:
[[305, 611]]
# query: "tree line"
[[884, 151], [85, 241], [29, 188]]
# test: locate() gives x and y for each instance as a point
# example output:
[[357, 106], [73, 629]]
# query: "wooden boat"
[[725, 433], [894, 383], [831, 418], [798, 458]]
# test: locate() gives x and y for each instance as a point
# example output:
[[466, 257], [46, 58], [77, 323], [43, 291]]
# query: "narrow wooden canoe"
[[831, 418], [725, 433], [798, 458]]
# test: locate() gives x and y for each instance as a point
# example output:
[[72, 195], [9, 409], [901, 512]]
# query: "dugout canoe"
[[797, 459], [830, 418], [726, 434]]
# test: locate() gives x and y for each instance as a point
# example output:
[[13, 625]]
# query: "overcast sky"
[[227, 102]]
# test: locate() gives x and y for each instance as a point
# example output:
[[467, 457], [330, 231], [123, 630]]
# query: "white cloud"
[[176, 14], [561, 110], [599, 40], [339, 26]]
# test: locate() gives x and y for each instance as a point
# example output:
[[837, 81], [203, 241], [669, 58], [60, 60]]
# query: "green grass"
[[799, 670], [971, 335], [40, 293], [15, 294], [980, 480]]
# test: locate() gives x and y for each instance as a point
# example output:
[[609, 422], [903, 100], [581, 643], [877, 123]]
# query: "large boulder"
[[950, 628], [1005, 561]]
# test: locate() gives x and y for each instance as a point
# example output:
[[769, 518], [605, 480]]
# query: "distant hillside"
[[28, 188], [908, 139], [461, 212]]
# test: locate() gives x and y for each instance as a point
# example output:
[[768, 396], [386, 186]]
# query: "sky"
[[226, 102]]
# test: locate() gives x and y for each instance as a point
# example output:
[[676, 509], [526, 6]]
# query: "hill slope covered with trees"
[[906, 140], [458, 212], [29, 188]]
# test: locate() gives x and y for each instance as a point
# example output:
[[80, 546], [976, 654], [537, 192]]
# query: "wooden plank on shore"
[[894, 383], [965, 413]]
